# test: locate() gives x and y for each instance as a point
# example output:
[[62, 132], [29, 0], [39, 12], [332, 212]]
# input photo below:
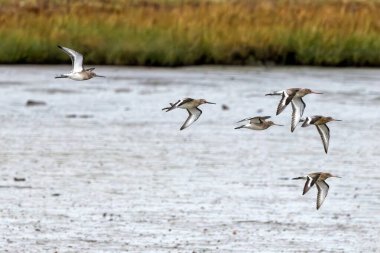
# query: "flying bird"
[[191, 105], [293, 96], [323, 130], [78, 73], [317, 178], [257, 123]]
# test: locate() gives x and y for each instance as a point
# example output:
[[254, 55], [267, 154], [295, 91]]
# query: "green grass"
[[191, 32]]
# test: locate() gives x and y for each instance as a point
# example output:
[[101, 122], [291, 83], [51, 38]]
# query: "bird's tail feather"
[[62, 76], [171, 107], [296, 178], [274, 93]]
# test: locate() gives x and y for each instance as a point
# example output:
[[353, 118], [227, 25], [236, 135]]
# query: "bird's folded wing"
[[324, 132], [194, 114]]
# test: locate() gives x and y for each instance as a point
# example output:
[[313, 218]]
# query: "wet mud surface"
[[98, 167]]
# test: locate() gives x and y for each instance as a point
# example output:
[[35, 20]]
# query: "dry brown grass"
[[172, 33]]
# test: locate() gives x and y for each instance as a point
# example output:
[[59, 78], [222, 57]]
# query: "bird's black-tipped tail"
[[171, 107], [274, 93], [239, 127], [61, 76]]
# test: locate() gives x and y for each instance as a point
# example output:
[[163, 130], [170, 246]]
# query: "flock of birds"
[[291, 96]]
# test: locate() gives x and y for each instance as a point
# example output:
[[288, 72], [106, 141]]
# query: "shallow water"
[[107, 171]]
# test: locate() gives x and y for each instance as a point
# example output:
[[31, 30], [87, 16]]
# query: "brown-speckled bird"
[[317, 178]]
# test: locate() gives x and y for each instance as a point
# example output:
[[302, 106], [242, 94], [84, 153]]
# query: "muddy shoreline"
[[100, 168]]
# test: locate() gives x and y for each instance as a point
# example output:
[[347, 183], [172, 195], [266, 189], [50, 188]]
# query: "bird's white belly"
[[78, 76], [255, 127]]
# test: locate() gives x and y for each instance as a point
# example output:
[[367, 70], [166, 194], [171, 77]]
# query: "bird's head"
[[204, 101], [331, 175], [271, 123], [309, 91], [92, 73], [328, 119]]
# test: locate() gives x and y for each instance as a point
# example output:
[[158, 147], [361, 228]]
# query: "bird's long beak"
[[277, 124], [337, 176], [337, 120], [315, 92], [210, 103], [99, 76]]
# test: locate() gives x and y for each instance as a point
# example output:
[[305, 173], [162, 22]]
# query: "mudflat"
[[96, 166]]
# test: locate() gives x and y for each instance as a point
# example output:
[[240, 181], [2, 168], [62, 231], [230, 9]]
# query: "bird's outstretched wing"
[[76, 58], [194, 114], [323, 189], [324, 132], [298, 107], [255, 120], [282, 105], [308, 184]]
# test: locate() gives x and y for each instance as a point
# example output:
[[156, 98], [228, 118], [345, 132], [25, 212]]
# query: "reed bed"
[[192, 32]]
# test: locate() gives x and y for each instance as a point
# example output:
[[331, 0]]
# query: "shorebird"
[[293, 95], [257, 123], [323, 129], [191, 105], [78, 73], [317, 178]]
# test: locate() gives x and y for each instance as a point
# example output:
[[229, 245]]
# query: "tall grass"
[[188, 32]]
